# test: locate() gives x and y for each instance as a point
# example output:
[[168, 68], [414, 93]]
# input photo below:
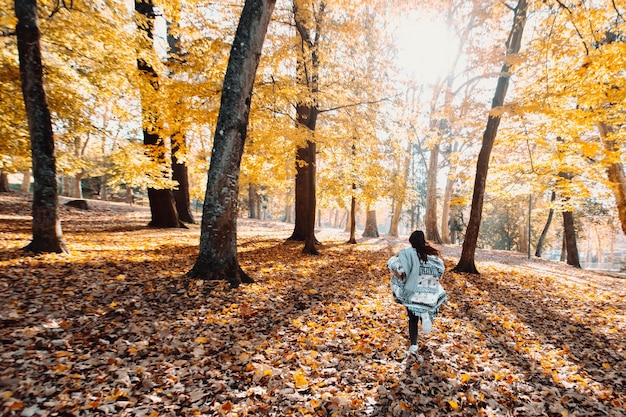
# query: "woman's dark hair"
[[423, 248]]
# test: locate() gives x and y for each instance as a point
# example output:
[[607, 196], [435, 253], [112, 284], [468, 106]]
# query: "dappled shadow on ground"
[[115, 328]]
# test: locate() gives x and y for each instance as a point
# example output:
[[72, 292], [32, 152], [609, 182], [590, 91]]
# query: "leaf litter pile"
[[114, 328]]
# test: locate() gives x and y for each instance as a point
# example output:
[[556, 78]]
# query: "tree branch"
[[345, 106], [575, 27], [619, 14]]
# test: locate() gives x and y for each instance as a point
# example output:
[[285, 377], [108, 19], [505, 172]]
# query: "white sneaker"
[[413, 352], [427, 324]]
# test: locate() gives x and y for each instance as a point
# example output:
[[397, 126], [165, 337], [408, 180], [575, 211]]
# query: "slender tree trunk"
[[289, 213], [25, 186], [445, 211], [466, 261], [432, 233], [130, 198], [371, 226], [442, 127], [47, 234], [403, 176], [546, 227], [395, 217], [65, 185], [252, 201], [162, 203], [217, 258], [103, 188], [569, 234], [352, 219], [522, 247], [337, 218]]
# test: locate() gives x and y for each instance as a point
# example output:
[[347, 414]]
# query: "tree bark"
[[217, 258], [445, 210], [305, 201], [395, 216], [306, 117], [4, 182], [76, 189], [430, 221], [466, 261], [352, 218], [253, 205], [47, 234], [522, 246], [546, 227], [615, 171], [371, 226], [305, 163], [25, 186], [162, 204], [180, 173], [399, 197], [569, 234]]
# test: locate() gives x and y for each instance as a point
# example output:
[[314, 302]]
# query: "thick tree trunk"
[[4, 182], [307, 73], [430, 221], [76, 189], [163, 209], [180, 172], [162, 201], [47, 235], [305, 201], [466, 261], [569, 234], [615, 171], [371, 226], [217, 258], [546, 227], [302, 204]]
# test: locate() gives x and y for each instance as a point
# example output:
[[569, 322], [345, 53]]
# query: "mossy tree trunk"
[[47, 234], [217, 258]]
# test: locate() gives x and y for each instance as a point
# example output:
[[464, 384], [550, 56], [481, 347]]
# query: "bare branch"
[[345, 106], [575, 27], [619, 14]]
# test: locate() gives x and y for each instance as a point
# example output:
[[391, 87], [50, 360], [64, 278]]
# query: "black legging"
[[413, 322]]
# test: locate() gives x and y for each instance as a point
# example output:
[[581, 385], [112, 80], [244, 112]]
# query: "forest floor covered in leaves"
[[114, 328]]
